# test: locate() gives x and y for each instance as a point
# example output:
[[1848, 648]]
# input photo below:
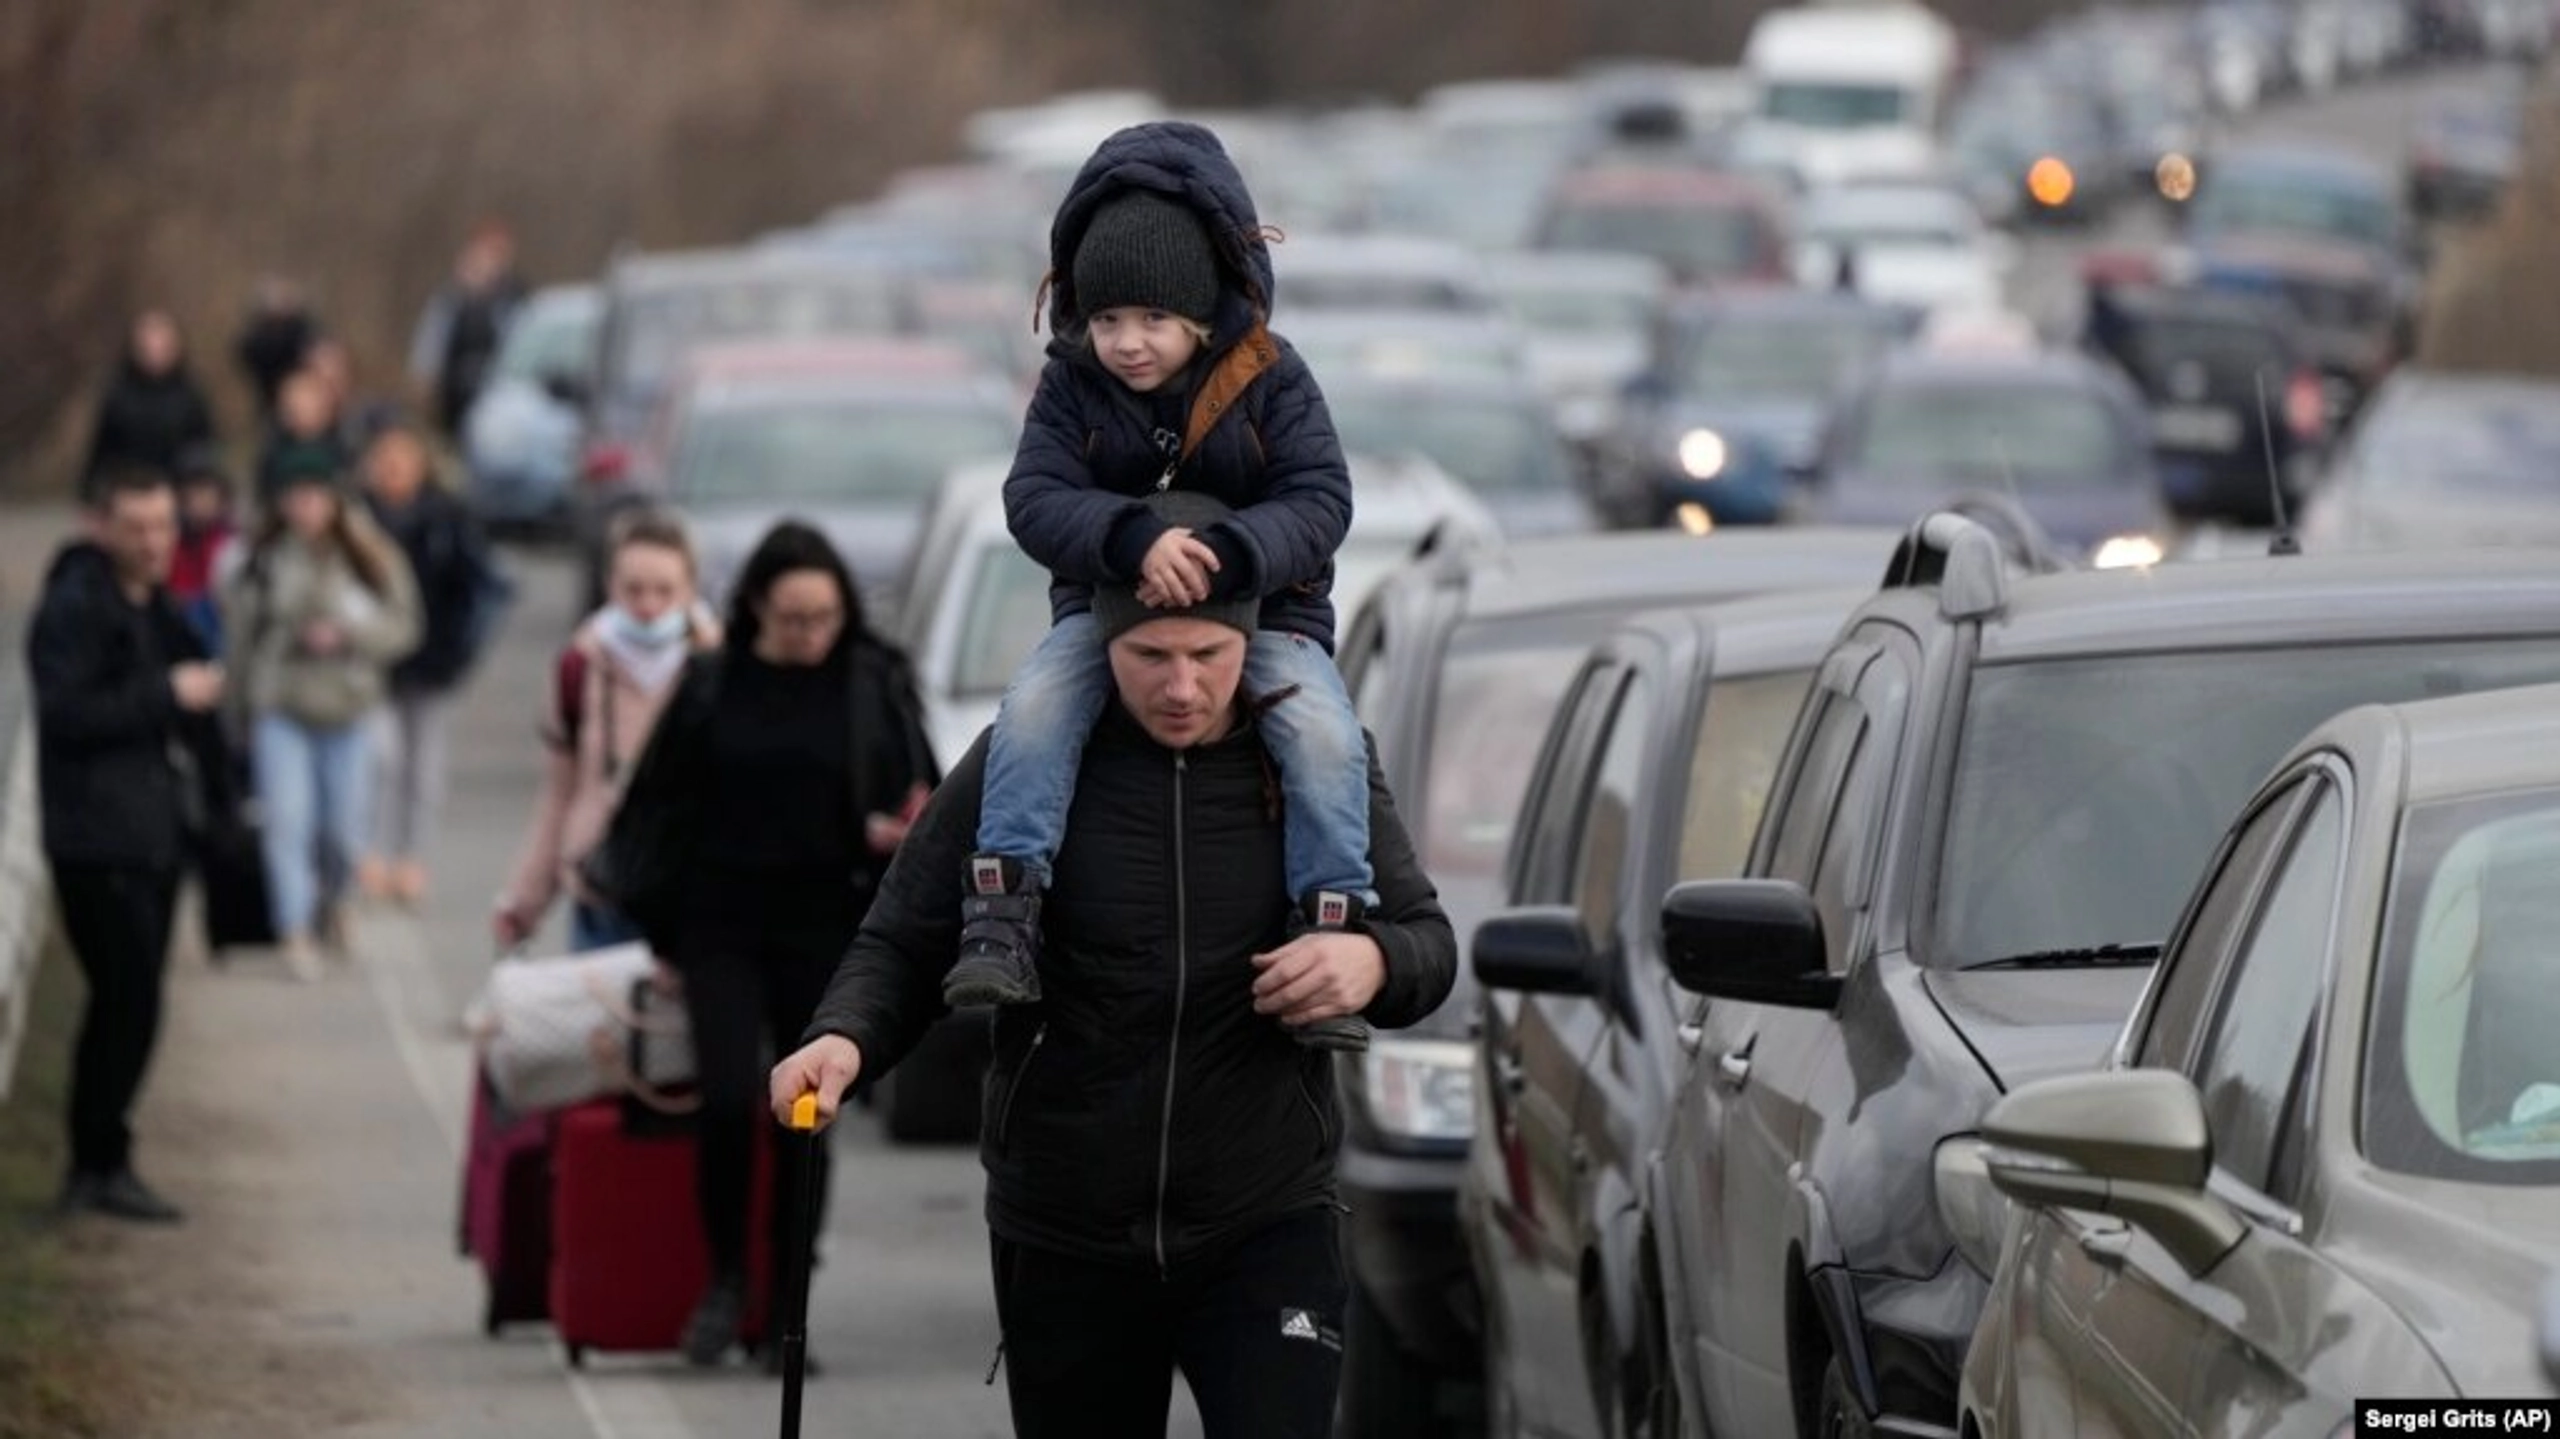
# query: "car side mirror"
[[2128, 1142], [1755, 940], [1536, 949]]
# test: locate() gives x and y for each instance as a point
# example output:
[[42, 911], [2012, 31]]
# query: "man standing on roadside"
[[125, 753], [1159, 1154]]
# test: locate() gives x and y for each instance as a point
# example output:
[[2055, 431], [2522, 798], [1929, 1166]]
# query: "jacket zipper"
[[1013, 1091], [1181, 988]]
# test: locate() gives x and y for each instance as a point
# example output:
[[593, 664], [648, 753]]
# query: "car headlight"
[[1975, 1213], [1420, 1088], [2125, 552], [1702, 454]]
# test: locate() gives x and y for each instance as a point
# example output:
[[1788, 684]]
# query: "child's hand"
[[1176, 571]]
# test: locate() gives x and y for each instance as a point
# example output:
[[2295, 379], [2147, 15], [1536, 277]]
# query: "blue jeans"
[[312, 787], [592, 926], [1049, 711]]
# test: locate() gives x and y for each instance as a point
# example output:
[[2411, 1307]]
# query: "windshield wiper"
[[2091, 957]]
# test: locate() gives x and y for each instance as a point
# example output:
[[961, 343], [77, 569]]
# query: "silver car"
[[2325, 1165]]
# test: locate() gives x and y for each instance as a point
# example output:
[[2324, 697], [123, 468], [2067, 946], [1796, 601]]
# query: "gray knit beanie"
[[1116, 609], [1144, 250]]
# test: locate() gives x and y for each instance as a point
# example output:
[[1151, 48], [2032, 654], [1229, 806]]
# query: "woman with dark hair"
[[773, 791], [320, 611]]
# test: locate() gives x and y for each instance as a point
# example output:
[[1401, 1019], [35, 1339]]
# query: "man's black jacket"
[[108, 732], [1142, 1112]]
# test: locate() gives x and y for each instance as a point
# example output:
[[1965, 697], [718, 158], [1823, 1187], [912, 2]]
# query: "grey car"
[[2000, 791], [2325, 1165], [520, 440], [2444, 459]]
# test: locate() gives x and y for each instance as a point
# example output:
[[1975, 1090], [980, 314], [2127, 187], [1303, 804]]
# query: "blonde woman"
[[321, 610], [610, 685]]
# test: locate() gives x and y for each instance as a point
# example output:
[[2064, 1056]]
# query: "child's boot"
[[999, 936], [1329, 911]]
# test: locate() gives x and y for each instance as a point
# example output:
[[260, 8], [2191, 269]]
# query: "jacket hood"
[[1186, 163], [83, 567]]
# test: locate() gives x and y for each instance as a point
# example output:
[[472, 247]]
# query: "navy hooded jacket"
[[1245, 420]]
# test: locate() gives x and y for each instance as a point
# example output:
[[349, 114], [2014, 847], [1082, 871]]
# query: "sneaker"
[[1322, 910], [123, 1195], [301, 958], [999, 936], [716, 1320]]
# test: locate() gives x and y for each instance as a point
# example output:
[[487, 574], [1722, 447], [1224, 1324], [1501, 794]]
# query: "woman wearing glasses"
[[761, 816]]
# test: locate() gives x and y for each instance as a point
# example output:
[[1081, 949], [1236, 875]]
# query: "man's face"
[[1178, 676], [139, 531]]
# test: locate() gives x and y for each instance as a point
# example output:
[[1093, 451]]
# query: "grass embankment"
[[58, 1378]]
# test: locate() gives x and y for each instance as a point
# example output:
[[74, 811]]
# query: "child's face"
[[201, 504], [1142, 348]]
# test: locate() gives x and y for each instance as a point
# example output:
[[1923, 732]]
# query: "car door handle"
[[2106, 1246], [1734, 1067], [1691, 1036], [1508, 1073]]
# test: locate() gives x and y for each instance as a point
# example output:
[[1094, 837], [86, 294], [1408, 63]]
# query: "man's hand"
[[1176, 570], [1319, 976], [508, 927], [196, 686], [826, 1067]]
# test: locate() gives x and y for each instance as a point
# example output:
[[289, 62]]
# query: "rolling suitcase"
[[506, 1207], [627, 1258]]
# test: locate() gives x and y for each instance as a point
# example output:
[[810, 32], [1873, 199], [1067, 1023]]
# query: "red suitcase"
[[506, 1208], [628, 1261]]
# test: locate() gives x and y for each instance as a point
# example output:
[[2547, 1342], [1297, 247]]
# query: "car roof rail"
[[1957, 555]]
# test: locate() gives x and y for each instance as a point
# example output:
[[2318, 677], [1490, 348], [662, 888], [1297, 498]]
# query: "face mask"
[[665, 630]]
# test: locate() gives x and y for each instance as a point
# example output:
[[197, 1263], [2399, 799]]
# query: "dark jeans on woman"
[[745, 990], [117, 919], [1090, 1349]]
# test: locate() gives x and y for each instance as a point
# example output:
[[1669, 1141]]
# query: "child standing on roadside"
[[1164, 375]]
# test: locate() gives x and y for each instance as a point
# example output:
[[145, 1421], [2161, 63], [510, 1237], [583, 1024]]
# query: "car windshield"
[[1499, 686], [2232, 354], [2291, 205], [1831, 105], [1365, 292], [1005, 614], [2044, 437], [1697, 242], [549, 340], [831, 452], [1497, 444], [2505, 441], [2462, 1079], [654, 331], [1920, 219], [1580, 309], [1807, 357], [2089, 793]]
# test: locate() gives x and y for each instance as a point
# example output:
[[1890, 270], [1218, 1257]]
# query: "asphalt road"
[[352, 1221]]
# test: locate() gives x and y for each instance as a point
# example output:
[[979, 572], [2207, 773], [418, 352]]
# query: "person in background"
[[449, 559], [611, 682], [121, 688], [459, 332], [309, 435], [771, 795], [152, 412], [321, 609], [274, 339], [207, 537]]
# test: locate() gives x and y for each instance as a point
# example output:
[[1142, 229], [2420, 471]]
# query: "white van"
[[1848, 90]]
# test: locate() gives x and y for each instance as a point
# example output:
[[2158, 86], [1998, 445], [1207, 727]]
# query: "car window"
[[1606, 827], [1838, 729], [850, 453], [2036, 436], [1006, 613], [1741, 737], [1498, 688], [1495, 443], [1545, 848], [2462, 1075], [2194, 969], [1781, 356], [2255, 1052], [2089, 793], [1857, 820], [1697, 242]]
